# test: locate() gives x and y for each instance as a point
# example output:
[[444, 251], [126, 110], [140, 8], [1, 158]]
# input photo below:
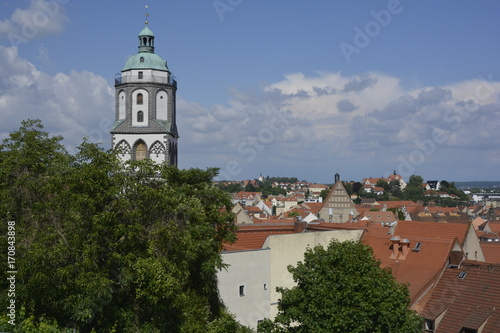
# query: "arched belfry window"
[[140, 117], [140, 152], [140, 99]]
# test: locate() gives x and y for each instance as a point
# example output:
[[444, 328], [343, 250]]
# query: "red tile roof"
[[410, 206], [467, 297], [380, 217], [432, 230], [252, 237], [491, 251], [314, 207], [494, 226], [419, 268], [368, 226]]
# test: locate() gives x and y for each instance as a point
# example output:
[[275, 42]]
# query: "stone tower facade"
[[338, 206], [145, 108]]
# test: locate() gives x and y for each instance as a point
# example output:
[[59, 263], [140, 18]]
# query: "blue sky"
[[295, 88]]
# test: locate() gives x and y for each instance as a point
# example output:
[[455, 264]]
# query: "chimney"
[[395, 246], [405, 248], [299, 225]]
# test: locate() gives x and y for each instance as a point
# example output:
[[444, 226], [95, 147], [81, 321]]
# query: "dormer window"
[[140, 99], [141, 59], [429, 325]]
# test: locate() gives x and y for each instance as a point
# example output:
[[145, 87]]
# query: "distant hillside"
[[477, 184]]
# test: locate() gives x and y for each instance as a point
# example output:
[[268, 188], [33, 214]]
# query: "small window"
[[140, 117], [140, 99], [141, 75], [141, 59], [241, 290], [417, 247], [265, 286]]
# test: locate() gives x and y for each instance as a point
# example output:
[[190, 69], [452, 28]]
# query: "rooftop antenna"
[[147, 15]]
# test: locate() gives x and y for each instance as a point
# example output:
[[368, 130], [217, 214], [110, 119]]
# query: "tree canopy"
[[343, 289], [107, 247]]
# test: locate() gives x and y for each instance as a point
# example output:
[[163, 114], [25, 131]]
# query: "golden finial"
[[147, 14]]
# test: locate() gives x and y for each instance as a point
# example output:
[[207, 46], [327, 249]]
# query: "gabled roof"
[[380, 217], [467, 297], [372, 181], [477, 222], [314, 207]]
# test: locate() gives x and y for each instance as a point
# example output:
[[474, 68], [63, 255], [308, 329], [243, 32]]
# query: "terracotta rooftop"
[[478, 222], [494, 226], [410, 206], [252, 237], [380, 217], [431, 230], [368, 226], [422, 265], [314, 207], [466, 298], [287, 220], [491, 251]]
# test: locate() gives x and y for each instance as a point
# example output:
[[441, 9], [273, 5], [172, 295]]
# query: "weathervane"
[[147, 14]]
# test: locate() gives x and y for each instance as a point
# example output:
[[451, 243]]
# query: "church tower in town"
[[145, 112]]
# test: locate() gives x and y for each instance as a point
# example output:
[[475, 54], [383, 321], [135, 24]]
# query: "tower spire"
[[147, 15]]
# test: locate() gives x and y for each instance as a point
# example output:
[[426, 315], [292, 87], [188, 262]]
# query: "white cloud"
[[41, 18], [367, 123], [294, 127], [73, 105]]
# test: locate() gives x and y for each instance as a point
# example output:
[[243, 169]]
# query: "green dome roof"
[[146, 32], [145, 60]]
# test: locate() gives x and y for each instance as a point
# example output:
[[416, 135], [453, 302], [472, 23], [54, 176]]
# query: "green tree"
[[383, 183], [107, 247], [324, 193], [356, 187], [343, 289], [415, 181], [348, 187], [397, 213]]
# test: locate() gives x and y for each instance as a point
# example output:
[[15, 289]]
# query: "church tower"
[[145, 125]]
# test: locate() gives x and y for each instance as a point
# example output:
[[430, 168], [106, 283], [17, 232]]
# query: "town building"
[[338, 206], [145, 107], [258, 263]]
